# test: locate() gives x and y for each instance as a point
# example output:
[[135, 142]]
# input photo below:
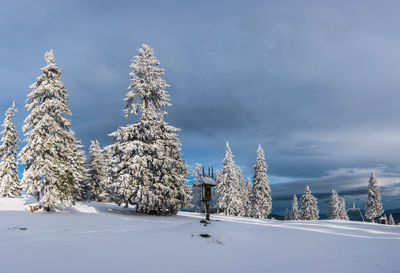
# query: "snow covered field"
[[98, 237]]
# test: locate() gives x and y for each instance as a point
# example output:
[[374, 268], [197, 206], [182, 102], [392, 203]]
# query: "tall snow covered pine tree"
[[10, 185], [228, 190], [333, 208], [294, 214], [52, 155], [374, 206], [150, 172], [196, 193], [261, 192], [342, 209]]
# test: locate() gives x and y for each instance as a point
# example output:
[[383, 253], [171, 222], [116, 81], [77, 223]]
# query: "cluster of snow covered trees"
[[233, 196], [337, 207], [308, 208], [144, 167]]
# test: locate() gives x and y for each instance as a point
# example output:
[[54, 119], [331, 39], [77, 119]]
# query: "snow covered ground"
[[98, 237]]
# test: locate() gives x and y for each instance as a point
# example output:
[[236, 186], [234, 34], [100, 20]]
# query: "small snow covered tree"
[[374, 206], [9, 182], [109, 171], [97, 172], [228, 190], [391, 220], [80, 172], [149, 169], [342, 209], [309, 206], [51, 155], [295, 215], [384, 218], [247, 197], [333, 209], [261, 192], [337, 207], [241, 187], [196, 190], [287, 215]]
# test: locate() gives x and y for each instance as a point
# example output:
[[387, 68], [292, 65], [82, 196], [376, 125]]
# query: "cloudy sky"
[[316, 83]]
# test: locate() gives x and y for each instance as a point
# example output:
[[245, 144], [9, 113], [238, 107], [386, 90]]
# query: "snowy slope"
[[106, 238]]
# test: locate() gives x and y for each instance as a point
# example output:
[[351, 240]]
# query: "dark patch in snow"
[[18, 228], [205, 235]]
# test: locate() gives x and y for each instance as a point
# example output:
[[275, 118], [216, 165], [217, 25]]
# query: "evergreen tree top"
[[49, 92], [8, 124], [11, 111], [196, 170], [147, 88], [261, 165], [49, 57], [228, 159], [10, 135]]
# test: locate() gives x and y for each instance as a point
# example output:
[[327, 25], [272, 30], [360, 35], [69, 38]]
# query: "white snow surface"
[[96, 237]]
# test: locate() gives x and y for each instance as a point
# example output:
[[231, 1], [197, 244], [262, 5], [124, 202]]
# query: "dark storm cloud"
[[314, 82]]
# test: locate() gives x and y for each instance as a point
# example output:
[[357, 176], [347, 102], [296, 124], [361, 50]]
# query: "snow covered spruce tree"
[[80, 174], [9, 182], [374, 206], [295, 215], [52, 156], [337, 207], [261, 192], [247, 197], [391, 220], [228, 189], [150, 172], [97, 172], [309, 206], [109, 172], [333, 208], [342, 209], [196, 190], [287, 215]]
